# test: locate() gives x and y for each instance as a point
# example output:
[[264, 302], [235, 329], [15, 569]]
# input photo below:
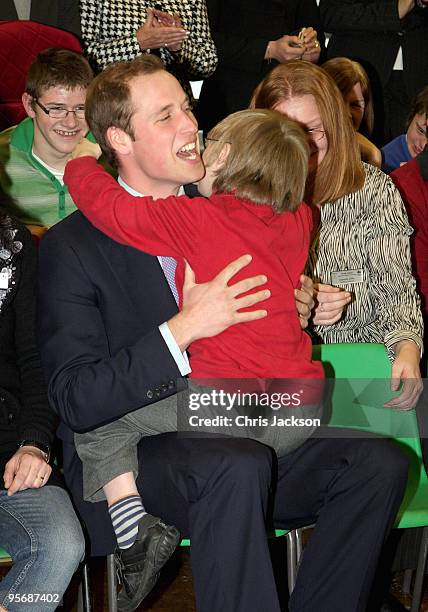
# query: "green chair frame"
[[361, 387]]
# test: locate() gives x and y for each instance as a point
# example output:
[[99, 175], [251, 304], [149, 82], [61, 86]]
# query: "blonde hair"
[[267, 161], [341, 171], [346, 73]]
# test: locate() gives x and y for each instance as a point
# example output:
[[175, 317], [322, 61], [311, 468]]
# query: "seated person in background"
[[63, 14], [412, 181], [36, 150], [362, 227], [407, 146], [354, 85], [38, 526], [256, 164]]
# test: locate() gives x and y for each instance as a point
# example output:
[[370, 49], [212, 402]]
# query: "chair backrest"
[[20, 42], [360, 387]]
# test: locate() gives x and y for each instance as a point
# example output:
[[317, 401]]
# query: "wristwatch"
[[45, 449]]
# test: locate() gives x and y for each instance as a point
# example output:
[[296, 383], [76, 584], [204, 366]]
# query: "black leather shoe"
[[138, 567]]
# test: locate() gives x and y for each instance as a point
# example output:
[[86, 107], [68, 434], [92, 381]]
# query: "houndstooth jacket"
[[109, 27]]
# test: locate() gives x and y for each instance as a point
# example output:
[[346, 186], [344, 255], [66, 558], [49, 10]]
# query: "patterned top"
[[109, 34], [368, 232]]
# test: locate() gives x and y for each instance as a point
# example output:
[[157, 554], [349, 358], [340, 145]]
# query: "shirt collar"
[[23, 136], [135, 193]]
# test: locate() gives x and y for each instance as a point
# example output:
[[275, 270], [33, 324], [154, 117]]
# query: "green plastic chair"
[[4, 557], [361, 374]]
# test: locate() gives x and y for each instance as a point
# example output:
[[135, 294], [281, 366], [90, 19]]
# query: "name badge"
[[4, 280], [346, 277]]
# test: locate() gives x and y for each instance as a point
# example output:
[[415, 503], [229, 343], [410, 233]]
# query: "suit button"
[[2, 399], [171, 384], [149, 394], [11, 417], [157, 392], [164, 387]]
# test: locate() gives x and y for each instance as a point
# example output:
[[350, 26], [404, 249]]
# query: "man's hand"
[[210, 308], [27, 469], [153, 35], [86, 147], [406, 370], [304, 298], [329, 304]]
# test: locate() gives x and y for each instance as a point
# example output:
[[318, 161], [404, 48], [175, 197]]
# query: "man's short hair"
[[109, 100], [57, 68]]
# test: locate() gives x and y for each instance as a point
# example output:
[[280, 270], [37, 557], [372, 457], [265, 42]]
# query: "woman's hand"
[[405, 370], [153, 35], [27, 469], [330, 303]]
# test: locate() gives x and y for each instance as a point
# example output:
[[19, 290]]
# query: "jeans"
[[40, 531]]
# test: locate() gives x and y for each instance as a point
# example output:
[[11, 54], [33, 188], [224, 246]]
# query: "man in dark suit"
[[107, 351], [390, 39], [62, 14]]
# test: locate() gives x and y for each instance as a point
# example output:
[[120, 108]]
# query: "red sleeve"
[[169, 226]]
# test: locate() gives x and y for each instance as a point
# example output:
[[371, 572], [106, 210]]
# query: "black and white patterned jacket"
[[109, 28], [368, 232]]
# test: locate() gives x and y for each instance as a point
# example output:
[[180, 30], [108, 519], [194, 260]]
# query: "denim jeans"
[[40, 531]]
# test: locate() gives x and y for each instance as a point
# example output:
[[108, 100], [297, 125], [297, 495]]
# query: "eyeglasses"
[[57, 112], [207, 140], [315, 134]]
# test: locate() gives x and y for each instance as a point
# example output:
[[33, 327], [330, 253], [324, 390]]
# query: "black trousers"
[[218, 491]]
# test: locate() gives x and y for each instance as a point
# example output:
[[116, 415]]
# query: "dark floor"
[[174, 591]]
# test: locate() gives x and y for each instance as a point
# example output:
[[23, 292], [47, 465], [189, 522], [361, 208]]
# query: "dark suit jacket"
[[63, 14], [241, 30], [100, 307], [370, 32]]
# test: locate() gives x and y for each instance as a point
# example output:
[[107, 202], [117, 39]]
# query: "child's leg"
[[125, 507]]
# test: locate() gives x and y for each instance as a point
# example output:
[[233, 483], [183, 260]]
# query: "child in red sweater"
[[256, 166]]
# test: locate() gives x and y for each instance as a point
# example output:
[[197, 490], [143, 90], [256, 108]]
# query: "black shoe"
[[138, 567]]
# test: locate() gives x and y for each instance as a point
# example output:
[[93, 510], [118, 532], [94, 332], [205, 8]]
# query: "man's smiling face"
[[55, 139], [165, 149]]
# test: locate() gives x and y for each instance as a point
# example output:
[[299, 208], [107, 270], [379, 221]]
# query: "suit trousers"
[[218, 491]]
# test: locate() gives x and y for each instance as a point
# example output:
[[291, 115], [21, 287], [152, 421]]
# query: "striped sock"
[[125, 515]]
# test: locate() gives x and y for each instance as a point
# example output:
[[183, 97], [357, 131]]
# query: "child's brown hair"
[[267, 161]]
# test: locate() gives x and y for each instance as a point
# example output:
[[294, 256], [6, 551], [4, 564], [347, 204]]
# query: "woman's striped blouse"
[[368, 231]]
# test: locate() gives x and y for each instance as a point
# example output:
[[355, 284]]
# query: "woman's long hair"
[[341, 171], [346, 73]]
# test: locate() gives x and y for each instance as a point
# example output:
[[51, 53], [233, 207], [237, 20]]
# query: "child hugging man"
[[256, 166]]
